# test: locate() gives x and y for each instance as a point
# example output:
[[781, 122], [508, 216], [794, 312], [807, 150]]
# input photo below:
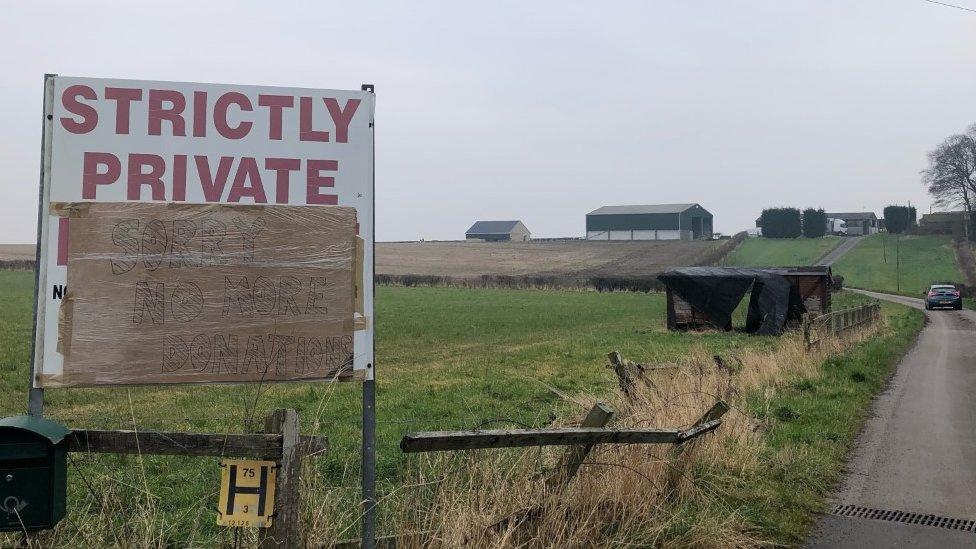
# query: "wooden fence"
[[580, 440], [281, 442], [815, 328]]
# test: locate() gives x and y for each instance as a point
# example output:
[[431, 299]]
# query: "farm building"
[[858, 223], [650, 222], [498, 231], [954, 223]]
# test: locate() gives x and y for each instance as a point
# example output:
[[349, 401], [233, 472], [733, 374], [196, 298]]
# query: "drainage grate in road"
[[936, 521]]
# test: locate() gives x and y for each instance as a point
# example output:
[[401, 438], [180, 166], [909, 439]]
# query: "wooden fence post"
[[285, 531], [806, 330], [598, 416], [623, 376]]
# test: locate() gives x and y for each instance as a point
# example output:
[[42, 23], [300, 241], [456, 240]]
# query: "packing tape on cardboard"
[[64, 380], [65, 319], [70, 209], [358, 282]]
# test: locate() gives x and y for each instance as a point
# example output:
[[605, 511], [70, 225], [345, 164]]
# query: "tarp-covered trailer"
[[703, 296]]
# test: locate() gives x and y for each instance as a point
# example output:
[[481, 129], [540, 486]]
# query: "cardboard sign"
[[192, 293], [152, 142], [247, 493]]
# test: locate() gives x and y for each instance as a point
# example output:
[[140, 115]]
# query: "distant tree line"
[[900, 219], [791, 223]]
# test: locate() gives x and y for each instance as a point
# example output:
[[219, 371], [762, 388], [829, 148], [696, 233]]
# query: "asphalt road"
[[917, 452], [845, 246]]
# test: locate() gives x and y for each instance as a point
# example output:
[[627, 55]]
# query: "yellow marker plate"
[[247, 493]]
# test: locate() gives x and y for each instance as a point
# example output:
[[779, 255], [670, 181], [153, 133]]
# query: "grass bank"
[[813, 422], [904, 264], [780, 252]]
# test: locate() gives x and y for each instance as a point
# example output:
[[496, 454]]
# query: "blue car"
[[943, 295]]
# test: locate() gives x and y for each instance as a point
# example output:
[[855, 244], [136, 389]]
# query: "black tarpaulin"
[[717, 291]]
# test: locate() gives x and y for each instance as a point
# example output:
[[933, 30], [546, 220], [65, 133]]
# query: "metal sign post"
[[35, 399], [369, 398]]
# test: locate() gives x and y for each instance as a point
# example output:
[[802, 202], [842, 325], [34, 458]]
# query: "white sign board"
[[110, 140]]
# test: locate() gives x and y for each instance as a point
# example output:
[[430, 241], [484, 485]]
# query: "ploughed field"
[[11, 252], [575, 258]]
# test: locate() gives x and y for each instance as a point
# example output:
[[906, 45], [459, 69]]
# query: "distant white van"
[[836, 226]]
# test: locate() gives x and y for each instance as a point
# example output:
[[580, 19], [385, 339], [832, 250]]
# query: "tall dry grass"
[[624, 495]]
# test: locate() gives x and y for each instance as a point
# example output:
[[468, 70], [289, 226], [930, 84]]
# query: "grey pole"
[[369, 397], [35, 395]]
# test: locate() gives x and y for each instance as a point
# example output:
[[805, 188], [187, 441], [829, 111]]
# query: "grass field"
[[780, 252], [905, 264], [447, 359]]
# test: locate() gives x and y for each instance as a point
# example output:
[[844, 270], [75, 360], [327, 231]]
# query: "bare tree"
[[951, 175]]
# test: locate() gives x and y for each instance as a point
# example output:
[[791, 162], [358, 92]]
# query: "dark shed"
[[700, 296]]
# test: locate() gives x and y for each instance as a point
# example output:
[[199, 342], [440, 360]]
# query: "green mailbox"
[[33, 473]]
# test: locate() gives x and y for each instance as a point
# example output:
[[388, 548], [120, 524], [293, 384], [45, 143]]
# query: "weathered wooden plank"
[[187, 444], [598, 416], [719, 409], [285, 532], [699, 430], [435, 441]]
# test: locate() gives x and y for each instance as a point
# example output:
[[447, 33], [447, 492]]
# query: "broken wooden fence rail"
[[628, 371], [438, 441], [580, 440], [281, 442]]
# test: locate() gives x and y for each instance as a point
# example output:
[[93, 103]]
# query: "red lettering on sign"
[[123, 98], [153, 178], [173, 113], [275, 104], [199, 114], [91, 177], [282, 168], [220, 115], [306, 133], [179, 177], [247, 170], [88, 114], [213, 187], [341, 117], [314, 182], [62, 241]]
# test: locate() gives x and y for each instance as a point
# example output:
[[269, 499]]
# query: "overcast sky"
[[543, 111]]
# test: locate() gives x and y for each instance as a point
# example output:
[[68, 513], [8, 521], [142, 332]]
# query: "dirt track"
[[845, 246], [563, 258]]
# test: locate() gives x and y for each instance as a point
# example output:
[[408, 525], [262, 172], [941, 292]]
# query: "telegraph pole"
[[898, 264]]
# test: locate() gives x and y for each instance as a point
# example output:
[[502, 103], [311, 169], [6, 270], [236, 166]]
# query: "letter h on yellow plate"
[[247, 493]]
